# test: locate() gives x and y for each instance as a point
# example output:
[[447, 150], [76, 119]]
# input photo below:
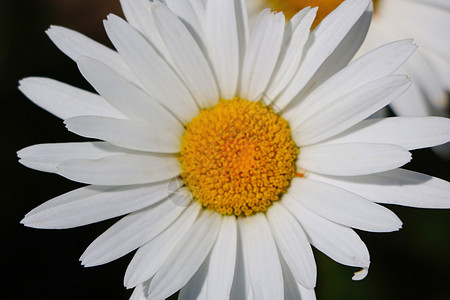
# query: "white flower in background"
[[427, 22], [230, 151]]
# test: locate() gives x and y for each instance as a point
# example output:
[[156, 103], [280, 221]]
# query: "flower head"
[[230, 151]]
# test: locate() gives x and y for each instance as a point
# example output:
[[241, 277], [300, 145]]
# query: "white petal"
[[75, 45], [45, 157], [295, 37], [437, 3], [292, 289], [138, 293], [345, 51], [93, 204], [343, 207], [187, 256], [196, 286], [187, 56], [199, 8], [65, 101], [374, 65], [188, 11], [426, 79], [306, 294], [224, 44], [441, 68], [139, 16], [322, 42], [154, 72], [409, 133], [398, 186], [241, 289], [130, 233], [352, 159], [124, 95], [340, 243], [293, 245], [432, 20], [361, 274], [121, 169], [261, 257], [149, 258], [350, 109], [222, 261], [411, 104], [262, 54], [128, 134]]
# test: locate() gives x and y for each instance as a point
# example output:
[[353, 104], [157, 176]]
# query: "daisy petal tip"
[[22, 82], [87, 264], [24, 222], [25, 162], [110, 17], [361, 274], [50, 30]]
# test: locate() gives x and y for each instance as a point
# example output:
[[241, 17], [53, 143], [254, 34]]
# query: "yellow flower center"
[[291, 7], [238, 157]]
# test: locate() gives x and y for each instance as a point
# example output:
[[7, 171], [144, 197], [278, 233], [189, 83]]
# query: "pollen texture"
[[238, 157], [291, 7]]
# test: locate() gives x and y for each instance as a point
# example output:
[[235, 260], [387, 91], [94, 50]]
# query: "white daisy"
[[230, 151], [427, 21]]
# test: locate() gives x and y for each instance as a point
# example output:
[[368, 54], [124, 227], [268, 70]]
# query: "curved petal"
[[150, 257], [344, 52], [196, 286], [65, 101], [262, 54], [187, 56], [129, 134], [352, 159], [323, 40], [188, 11], [130, 233], [75, 45], [295, 37], [376, 64], [340, 114], [342, 206], [409, 133], [138, 293], [222, 261], [260, 254], [240, 289], [224, 43], [339, 242], [92, 204], [293, 245], [46, 157], [186, 257], [160, 80], [138, 15], [124, 95], [402, 187], [121, 169], [292, 289]]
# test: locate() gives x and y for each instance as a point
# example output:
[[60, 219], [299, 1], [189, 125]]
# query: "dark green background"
[[43, 264]]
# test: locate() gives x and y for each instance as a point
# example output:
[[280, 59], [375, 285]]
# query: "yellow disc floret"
[[238, 157]]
